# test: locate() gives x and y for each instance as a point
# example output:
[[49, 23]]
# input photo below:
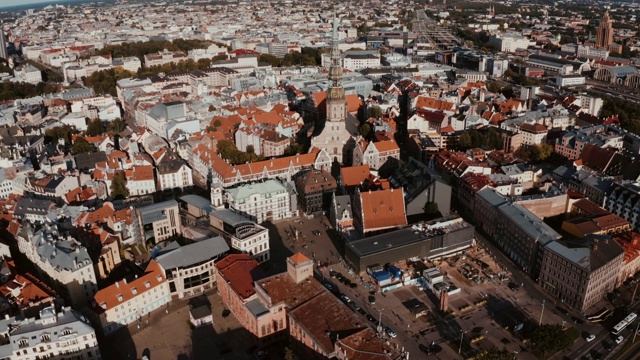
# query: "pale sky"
[[7, 3]]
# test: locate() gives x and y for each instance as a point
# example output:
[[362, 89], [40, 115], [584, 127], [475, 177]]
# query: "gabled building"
[[375, 154], [52, 335], [172, 173], [377, 211], [61, 261], [315, 189], [125, 301], [340, 213]]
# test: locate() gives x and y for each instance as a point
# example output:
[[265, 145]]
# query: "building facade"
[[265, 201], [125, 301], [315, 189], [57, 335], [604, 34], [159, 221], [190, 269]]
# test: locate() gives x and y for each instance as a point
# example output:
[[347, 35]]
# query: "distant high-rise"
[[604, 36], [3, 44]]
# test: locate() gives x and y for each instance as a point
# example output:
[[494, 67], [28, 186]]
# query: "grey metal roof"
[[195, 253], [343, 202], [491, 197], [590, 253], [257, 308], [63, 253], [196, 200], [230, 217], [51, 324], [153, 213], [529, 223]]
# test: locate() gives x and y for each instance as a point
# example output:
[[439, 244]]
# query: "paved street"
[[169, 336]]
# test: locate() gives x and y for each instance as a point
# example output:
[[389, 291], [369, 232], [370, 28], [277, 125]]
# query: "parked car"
[[590, 337], [345, 298], [328, 286], [392, 334], [619, 339]]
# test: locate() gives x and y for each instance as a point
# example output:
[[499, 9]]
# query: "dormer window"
[[103, 305], [134, 291], [159, 278], [119, 296], [147, 284], [45, 338]]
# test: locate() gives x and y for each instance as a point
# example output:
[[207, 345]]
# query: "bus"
[[624, 323]]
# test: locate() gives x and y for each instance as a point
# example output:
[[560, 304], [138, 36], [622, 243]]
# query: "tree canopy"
[[549, 339], [534, 154], [627, 112], [119, 186], [81, 146], [142, 48], [95, 127], [104, 82], [227, 150], [486, 138]]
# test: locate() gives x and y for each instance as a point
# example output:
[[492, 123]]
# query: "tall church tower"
[[339, 126], [604, 35]]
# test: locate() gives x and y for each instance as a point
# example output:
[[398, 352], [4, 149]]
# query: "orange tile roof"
[[389, 145], [383, 209], [354, 175], [108, 296], [298, 258], [141, 173], [431, 103]]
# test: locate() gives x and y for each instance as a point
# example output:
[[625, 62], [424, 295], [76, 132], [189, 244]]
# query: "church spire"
[[335, 72]]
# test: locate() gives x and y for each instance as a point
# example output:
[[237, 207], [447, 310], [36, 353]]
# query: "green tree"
[[95, 127], [374, 112], [117, 125], [217, 123], [59, 132], [430, 208], [119, 186], [366, 130], [465, 141], [549, 339], [212, 108], [81, 146]]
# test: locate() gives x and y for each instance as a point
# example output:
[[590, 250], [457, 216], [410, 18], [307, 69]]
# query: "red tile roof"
[[383, 209], [240, 271]]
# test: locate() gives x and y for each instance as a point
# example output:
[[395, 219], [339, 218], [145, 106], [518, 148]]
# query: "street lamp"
[[635, 333], [380, 321], [461, 337], [541, 312]]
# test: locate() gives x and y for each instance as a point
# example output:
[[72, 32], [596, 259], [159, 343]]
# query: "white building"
[[190, 269], [164, 57], [124, 302], [243, 234], [62, 260], [174, 173], [63, 335], [509, 42], [355, 60], [131, 63], [375, 154], [263, 201], [569, 80], [533, 134], [30, 74]]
